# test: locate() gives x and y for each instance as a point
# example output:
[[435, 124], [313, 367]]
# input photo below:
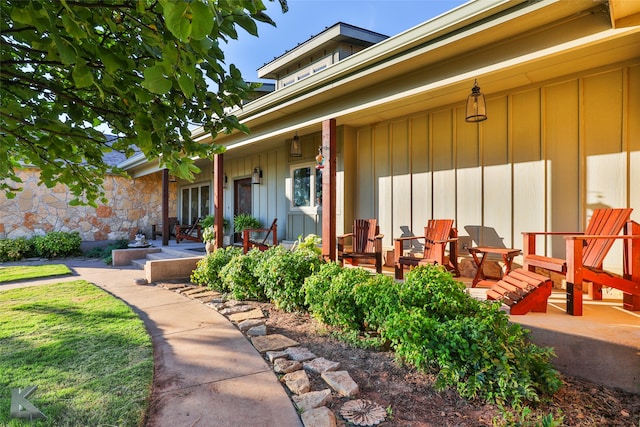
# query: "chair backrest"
[[436, 229], [603, 222], [271, 229], [364, 233]]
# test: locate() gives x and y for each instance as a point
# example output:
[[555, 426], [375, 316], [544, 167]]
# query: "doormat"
[[201, 250]]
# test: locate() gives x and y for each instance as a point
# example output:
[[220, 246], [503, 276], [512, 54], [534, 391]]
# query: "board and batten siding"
[[545, 158]]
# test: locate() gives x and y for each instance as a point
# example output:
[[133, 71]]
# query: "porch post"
[[218, 198], [329, 144], [165, 207]]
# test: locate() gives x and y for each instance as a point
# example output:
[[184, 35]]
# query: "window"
[[195, 203], [306, 186]]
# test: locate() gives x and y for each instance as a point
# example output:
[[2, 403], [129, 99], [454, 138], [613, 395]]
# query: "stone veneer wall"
[[133, 204]]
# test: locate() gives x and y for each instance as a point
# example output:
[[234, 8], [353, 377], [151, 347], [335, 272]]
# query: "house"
[[38, 209], [561, 81]]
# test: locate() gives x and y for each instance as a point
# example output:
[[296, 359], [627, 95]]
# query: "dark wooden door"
[[242, 200]]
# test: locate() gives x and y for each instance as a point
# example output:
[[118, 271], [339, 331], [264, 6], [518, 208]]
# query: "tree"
[[141, 68]]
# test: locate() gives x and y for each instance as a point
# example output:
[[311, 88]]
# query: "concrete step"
[[180, 253], [139, 263]]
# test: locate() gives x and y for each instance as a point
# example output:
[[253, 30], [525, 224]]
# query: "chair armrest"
[[552, 233], [453, 239], [378, 236], [602, 236], [403, 239], [342, 236]]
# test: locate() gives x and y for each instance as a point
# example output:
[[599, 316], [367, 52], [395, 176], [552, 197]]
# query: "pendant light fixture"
[[476, 105], [296, 148]]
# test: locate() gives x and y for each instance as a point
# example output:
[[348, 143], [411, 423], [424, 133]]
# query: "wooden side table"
[[507, 256]]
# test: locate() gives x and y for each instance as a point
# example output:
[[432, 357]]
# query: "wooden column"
[[218, 198], [165, 207], [329, 150]]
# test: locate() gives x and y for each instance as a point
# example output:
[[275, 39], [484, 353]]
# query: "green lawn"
[[9, 274], [87, 352]]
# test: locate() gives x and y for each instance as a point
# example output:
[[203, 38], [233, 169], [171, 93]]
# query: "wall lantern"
[[296, 148], [225, 183], [476, 105], [256, 176]]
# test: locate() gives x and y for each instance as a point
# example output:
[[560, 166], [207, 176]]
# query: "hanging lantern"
[[295, 150], [476, 105]]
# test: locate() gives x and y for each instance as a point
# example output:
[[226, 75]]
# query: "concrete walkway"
[[206, 372]]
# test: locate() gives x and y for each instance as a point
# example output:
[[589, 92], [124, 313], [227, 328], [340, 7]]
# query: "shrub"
[[14, 249], [105, 252], [433, 288], [310, 243], [239, 277], [282, 273], [336, 304], [377, 298], [469, 343], [57, 244], [207, 271]]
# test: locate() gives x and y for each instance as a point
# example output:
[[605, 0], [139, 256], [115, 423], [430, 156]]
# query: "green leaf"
[[202, 20], [72, 28], [248, 24], [155, 81], [65, 50], [177, 19], [82, 76], [186, 85]]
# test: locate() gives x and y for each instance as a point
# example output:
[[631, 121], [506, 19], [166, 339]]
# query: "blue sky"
[[307, 18]]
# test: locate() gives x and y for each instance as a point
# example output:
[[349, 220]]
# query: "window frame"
[[313, 188]]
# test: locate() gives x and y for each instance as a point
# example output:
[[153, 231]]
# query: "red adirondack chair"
[[585, 253], [438, 234], [366, 243]]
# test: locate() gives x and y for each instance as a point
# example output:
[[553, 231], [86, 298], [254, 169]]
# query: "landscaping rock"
[[257, 331], [236, 309], [248, 324], [313, 399], [341, 382], [320, 365], [140, 281], [275, 355], [284, 366], [298, 382], [300, 353], [253, 314], [318, 417], [272, 342]]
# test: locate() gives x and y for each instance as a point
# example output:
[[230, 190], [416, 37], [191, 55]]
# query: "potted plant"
[[243, 221], [208, 231]]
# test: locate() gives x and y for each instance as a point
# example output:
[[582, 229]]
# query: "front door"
[[242, 198]]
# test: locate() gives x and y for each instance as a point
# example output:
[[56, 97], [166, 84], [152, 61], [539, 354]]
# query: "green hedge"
[[429, 320], [55, 244]]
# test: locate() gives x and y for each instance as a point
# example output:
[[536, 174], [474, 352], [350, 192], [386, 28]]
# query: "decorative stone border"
[[292, 363]]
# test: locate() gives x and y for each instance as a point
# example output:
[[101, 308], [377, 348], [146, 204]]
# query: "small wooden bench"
[[523, 291]]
